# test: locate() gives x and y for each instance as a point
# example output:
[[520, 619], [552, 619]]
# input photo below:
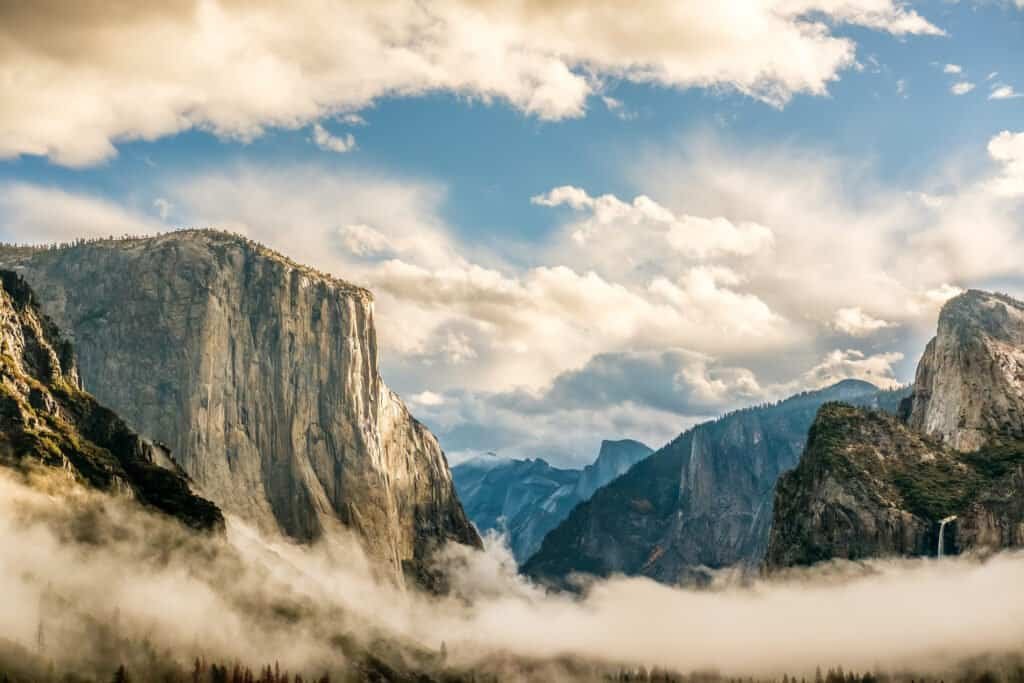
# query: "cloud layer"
[[736, 277], [76, 80]]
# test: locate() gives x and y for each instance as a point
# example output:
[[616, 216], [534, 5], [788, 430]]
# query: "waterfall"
[[942, 530]]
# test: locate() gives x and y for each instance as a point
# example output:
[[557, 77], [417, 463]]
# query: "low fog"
[[78, 570]]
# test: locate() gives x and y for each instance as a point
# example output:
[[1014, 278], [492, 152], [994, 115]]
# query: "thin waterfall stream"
[[942, 530]]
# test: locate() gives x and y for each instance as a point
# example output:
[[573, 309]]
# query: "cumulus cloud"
[[853, 364], [1008, 150], [78, 80], [961, 88], [1004, 92], [856, 323], [36, 214], [775, 267], [332, 143], [612, 224], [952, 69]]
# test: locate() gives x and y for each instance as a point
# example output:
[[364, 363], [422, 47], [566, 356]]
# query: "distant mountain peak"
[[526, 498]]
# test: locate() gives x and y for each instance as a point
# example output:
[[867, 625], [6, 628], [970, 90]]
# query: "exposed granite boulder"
[[46, 419], [525, 499], [262, 375], [701, 503]]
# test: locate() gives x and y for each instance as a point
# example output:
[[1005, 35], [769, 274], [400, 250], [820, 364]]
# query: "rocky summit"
[[47, 420], [969, 388], [262, 376], [701, 503], [525, 499], [948, 477]]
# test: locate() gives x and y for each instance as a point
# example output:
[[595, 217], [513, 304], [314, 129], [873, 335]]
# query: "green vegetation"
[[934, 490], [932, 481]]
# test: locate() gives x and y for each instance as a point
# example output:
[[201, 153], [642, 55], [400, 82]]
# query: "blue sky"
[[780, 150]]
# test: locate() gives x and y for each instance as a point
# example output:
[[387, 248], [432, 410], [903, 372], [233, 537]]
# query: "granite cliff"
[[969, 388], [701, 503], [47, 420], [262, 376], [949, 473], [525, 499]]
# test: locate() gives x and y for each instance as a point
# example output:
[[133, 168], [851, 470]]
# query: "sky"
[[580, 220]]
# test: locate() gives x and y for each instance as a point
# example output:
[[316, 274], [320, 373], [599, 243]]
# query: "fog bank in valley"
[[80, 568]]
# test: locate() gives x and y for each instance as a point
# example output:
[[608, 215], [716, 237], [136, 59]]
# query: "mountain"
[[702, 502], [969, 388], [949, 473], [527, 498], [262, 376], [47, 420]]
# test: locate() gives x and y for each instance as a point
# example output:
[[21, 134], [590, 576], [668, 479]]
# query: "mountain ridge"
[[526, 498], [700, 503]]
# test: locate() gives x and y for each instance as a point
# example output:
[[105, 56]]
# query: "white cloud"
[[952, 69], [856, 323], [625, 229], [332, 143], [163, 207], [961, 88], [427, 398], [362, 240], [76, 80], [716, 284], [1008, 149], [1004, 92], [853, 364], [35, 214]]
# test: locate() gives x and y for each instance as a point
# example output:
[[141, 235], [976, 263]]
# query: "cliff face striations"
[[525, 499], [969, 387], [47, 419], [870, 485], [262, 376], [702, 502]]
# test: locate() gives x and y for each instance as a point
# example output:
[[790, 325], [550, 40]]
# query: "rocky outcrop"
[[702, 503], [969, 387], [262, 376], [613, 460], [46, 419], [871, 486], [525, 499]]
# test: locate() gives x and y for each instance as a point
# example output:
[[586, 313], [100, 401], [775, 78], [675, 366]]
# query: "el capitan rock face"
[[872, 486], [47, 420], [525, 499], [262, 376], [702, 502]]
